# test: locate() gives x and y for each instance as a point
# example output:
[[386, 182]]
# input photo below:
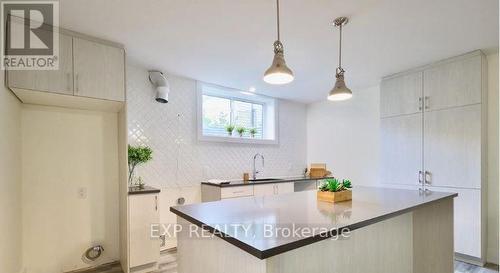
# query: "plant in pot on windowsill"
[[332, 190], [252, 132], [241, 131], [230, 129], [137, 155]]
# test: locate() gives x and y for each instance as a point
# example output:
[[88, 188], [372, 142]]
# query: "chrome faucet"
[[255, 171]]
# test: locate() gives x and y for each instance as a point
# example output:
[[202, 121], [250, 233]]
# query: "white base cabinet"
[[215, 193], [144, 250], [433, 131]]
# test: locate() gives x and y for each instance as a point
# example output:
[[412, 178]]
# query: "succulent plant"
[[334, 185]]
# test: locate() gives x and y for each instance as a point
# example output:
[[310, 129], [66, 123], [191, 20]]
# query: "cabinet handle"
[[68, 81], [156, 203], [427, 102], [420, 177], [238, 192], [420, 104], [76, 83], [427, 174]]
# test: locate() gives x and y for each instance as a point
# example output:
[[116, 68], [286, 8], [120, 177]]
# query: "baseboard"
[[469, 259], [96, 268]]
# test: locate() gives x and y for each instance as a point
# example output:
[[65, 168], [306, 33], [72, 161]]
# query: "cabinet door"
[[452, 147], [143, 211], [401, 149], [283, 188], [99, 70], [54, 81], [401, 95], [467, 220], [264, 189], [453, 84]]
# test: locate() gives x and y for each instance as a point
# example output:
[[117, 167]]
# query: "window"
[[219, 107]]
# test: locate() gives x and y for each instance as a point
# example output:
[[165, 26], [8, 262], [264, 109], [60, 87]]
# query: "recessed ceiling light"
[[252, 89]]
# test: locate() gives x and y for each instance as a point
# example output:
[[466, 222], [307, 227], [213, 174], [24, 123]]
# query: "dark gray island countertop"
[[246, 217]]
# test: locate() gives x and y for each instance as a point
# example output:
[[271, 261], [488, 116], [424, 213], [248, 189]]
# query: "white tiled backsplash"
[[180, 160]]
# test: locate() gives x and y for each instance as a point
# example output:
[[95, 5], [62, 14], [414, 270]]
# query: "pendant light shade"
[[340, 90], [278, 73]]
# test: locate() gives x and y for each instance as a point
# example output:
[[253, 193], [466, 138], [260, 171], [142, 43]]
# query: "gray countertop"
[[241, 221], [145, 190], [234, 183]]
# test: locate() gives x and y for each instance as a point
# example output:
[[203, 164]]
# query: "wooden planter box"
[[334, 197]]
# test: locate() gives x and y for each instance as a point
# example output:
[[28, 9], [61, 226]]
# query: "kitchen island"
[[380, 230]]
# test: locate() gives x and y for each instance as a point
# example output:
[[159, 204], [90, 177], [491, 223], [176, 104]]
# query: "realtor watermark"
[[250, 231], [30, 38]]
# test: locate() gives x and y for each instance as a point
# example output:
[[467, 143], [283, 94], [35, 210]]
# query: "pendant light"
[[340, 90], [278, 73]]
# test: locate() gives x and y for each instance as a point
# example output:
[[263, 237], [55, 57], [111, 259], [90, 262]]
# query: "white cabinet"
[[401, 146], [273, 189], [143, 211], [233, 192], [454, 83], [91, 75], [55, 81], [467, 220], [401, 95], [99, 70], [214, 193], [453, 147], [445, 140]]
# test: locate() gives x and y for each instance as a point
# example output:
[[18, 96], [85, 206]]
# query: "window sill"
[[242, 140]]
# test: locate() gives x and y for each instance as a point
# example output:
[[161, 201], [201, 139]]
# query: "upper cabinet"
[[454, 83], [91, 75], [98, 70], [54, 81], [401, 95]]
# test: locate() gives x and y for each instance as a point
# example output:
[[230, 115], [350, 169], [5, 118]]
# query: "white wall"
[[180, 162], [64, 150], [10, 181], [345, 136]]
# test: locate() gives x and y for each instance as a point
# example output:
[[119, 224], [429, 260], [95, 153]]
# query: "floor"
[[168, 264]]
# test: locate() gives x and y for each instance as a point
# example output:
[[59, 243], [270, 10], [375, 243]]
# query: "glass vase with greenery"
[[241, 131], [137, 155], [230, 129], [252, 132]]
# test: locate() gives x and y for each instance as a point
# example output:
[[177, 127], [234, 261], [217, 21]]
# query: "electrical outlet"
[[82, 193]]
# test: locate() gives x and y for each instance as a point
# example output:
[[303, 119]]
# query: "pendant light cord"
[[340, 50], [278, 18]]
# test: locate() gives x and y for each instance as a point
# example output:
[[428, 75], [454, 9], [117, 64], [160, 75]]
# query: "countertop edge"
[[284, 180], [146, 190], [264, 254]]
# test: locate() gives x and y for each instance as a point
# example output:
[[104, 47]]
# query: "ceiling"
[[229, 42]]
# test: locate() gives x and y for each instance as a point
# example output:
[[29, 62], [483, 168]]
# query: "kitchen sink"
[[264, 179]]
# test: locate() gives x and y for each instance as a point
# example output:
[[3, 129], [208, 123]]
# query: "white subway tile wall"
[[180, 160]]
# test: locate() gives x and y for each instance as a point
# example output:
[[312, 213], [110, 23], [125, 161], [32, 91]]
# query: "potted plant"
[[230, 129], [137, 155], [332, 190], [241, 130], [252, 132]]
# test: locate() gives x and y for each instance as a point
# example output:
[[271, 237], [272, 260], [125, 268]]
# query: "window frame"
[[268, 104]]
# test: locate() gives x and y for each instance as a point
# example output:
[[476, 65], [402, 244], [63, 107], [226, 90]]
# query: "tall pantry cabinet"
[[433, 138]]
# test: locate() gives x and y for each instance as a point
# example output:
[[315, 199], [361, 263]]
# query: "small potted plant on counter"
[[230, 129], [241, 130], [252, 132], [332, 190], [137, 155]]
